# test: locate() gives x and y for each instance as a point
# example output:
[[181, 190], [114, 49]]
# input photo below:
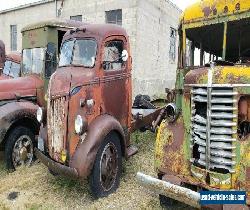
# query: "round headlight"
[[39, 114], [78, 124], [171, 112]]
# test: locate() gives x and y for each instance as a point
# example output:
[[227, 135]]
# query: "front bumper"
[[167, 189], [55, 166]]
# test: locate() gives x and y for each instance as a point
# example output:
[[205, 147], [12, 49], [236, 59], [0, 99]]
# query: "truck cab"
[[12, 66], [20, 97], [89, 115]]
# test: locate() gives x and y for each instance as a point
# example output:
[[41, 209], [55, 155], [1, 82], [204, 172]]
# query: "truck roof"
[[211, 9], [100, 30], [14, 56], [53, 23]]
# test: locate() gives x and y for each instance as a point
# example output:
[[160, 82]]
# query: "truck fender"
[[11, 113], [85, 154]]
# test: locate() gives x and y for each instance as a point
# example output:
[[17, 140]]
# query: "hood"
[[20, 87], [221, 75], [67, 78]]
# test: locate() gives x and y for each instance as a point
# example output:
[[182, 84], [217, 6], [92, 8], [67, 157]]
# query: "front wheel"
[[105, 176], [19, 148]]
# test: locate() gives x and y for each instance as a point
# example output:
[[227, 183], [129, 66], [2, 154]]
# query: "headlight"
[[39, 114], [79, 124], [171, 112]]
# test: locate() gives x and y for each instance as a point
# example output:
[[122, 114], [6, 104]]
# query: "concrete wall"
[[147, 22], [153, 70], [21, 18]]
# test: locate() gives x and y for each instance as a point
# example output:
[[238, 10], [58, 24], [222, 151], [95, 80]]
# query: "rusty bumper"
[[173, 191], [56, 167]]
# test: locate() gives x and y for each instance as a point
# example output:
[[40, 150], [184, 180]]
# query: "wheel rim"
[[22, 151], [108, 166]]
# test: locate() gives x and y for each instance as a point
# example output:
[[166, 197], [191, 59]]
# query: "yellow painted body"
[[172, 158], [206, 9]]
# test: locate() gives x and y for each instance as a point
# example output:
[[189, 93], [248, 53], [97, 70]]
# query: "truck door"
[[115, 81]]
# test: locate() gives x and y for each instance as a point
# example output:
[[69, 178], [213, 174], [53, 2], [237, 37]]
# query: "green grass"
[[38, 189]]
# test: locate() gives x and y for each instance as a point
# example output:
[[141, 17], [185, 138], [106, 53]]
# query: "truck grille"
[[56, 126], [214, 128]]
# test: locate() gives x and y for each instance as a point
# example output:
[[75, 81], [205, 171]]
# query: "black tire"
[[111, 141], [16, 135]]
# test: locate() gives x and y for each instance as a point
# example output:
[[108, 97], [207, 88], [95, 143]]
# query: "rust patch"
[[174, 159]]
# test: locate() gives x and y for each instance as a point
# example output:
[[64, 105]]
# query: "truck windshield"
[[33, 61], [11, 69], [79, 53], [224, 43]]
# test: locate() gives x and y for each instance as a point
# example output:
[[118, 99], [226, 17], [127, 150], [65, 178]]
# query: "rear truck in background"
[[89, 120], [204, 144], [12, 66], [20, 97], [2, 55]]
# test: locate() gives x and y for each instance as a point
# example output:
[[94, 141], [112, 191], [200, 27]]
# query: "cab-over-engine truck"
[[205, 144], [20, 97], [89, 114]]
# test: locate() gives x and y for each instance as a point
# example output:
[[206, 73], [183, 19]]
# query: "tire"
[[98, 186], [19, 148]]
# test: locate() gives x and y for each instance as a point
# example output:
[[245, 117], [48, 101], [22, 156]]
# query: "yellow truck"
[[204, 141]]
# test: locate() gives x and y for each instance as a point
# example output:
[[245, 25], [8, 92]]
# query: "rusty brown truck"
[[89, 115], [20, 97]]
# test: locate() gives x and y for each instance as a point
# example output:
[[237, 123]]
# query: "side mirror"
[[124, 55], [51, 50]]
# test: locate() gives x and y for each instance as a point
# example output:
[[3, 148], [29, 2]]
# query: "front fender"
[[85, 154], [171, 148], [13, 112]]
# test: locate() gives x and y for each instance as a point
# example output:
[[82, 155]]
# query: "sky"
[[13, 3]]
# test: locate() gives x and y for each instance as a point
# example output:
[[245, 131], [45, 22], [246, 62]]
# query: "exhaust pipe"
[[167, 189]]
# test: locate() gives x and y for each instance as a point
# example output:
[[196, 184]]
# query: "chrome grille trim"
[[215, 127]]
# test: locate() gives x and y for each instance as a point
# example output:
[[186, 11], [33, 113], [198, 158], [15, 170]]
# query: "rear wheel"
[[19, 148], [105, 175]]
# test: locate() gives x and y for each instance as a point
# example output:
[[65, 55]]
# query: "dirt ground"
[[35, 188]]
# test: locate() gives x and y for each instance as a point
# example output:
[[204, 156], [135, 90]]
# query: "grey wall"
[[147, 22]]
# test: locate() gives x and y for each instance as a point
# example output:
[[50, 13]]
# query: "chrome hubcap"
[[22, 151], [108, 166]]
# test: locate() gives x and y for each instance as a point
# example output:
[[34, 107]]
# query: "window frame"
[[116, 13], [121, 39], [13, 37]]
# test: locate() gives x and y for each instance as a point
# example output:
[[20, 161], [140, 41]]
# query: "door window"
[[113, 56]]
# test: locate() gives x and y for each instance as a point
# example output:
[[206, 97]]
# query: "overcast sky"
[[13, 3]]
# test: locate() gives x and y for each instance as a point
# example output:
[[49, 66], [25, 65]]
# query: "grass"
[[38, 189]]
